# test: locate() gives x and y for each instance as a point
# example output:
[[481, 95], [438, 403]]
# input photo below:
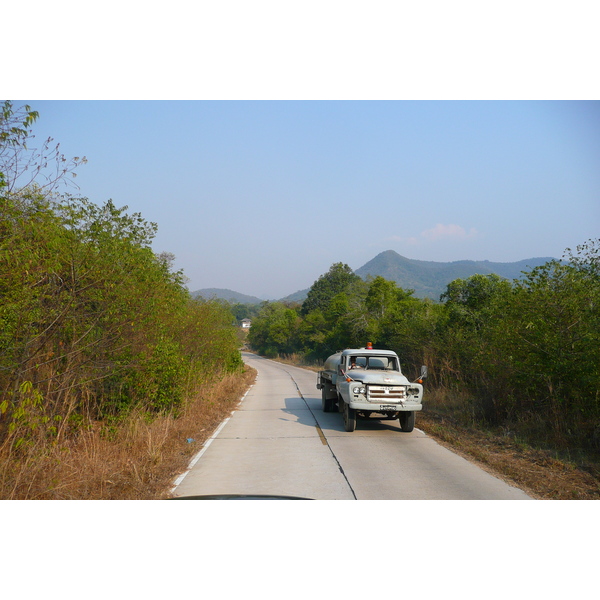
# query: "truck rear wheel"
[[349, 417], [407, 421], [328, 404]]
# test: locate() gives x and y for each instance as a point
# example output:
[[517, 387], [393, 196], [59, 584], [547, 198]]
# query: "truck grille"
[[386, 393]]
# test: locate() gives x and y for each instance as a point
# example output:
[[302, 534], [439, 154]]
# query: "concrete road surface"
[[280, 442]]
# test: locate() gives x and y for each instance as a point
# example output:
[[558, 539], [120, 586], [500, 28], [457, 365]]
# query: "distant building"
[[246, 323]]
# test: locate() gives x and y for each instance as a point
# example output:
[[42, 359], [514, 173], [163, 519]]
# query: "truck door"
[[342, 384]]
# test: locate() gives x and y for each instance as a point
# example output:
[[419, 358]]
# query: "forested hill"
[[224, 294], [429, 279]]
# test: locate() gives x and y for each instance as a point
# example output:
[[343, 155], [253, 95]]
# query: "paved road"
[[280, 442]]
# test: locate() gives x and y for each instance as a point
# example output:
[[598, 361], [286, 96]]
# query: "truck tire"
[[328, 404], [407, 421], [349, 417]]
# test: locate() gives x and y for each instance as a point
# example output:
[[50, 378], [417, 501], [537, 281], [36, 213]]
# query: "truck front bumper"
[[385, 408]]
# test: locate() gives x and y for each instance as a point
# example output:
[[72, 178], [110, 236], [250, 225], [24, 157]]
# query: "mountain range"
[[427, 278], [224, 294]]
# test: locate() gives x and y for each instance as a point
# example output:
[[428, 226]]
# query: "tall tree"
[[337, 280]]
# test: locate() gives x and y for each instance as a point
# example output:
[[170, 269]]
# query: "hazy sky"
[[263, 196]]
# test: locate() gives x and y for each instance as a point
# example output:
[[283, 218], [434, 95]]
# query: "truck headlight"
[[413, 391], [359, 389]]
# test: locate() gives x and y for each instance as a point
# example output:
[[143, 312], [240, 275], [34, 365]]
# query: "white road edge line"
[[208, 442]]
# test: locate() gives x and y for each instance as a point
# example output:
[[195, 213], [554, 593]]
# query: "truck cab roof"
[[367, 352]]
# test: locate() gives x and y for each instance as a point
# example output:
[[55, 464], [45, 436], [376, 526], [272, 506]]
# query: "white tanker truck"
[[363, 381]]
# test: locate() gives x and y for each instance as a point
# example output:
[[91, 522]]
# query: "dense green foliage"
[[524, 351], [92, 322]]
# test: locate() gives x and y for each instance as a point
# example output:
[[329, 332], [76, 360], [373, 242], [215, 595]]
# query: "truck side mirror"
[[423, 372]]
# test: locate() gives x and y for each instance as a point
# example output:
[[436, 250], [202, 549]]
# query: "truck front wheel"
[[349, 417], [407, 421]]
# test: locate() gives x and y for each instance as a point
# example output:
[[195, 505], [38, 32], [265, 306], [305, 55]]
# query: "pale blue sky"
[[263, 196]]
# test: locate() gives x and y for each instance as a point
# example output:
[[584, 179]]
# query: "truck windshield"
[[374, 363]]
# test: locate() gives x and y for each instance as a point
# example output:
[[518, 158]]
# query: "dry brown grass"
[[537, 472], [136, 459]]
